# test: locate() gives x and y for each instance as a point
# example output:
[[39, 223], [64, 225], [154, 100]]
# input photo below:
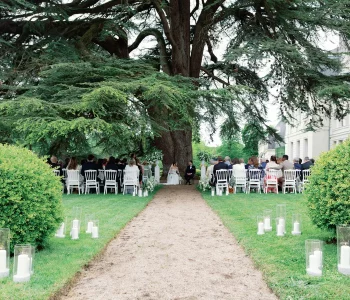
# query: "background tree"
[[277, 36]]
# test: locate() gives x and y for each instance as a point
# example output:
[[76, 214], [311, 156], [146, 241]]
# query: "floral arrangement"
[[204, 184], [150, 184], [202, 155]]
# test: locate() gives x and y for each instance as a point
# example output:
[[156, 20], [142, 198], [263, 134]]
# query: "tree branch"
[[210, 50], [211, 74], [164, 22], [161, 44]]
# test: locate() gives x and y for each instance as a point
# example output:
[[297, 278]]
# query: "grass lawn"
[[56, 266], [282, 259]]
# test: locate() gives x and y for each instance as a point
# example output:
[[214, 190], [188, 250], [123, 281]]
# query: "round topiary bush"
[[30, 197], [328, 193]]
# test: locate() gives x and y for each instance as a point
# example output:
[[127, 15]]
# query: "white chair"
[[306, 174], [131, 178], [290, 180], [73, 180], [221, 181], [271, 180], [91, 181], [56, 172], [229, 176], [240, 180], [110, 177], [254, 180]]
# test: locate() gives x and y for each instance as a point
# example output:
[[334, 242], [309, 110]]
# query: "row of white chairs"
[[254, 179], [109, 178]]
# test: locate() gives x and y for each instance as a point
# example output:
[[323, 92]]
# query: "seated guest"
[[131, 166], [219, 166], [249, 163], [100, 163], [210, 169], [297, 165], [89, 165], [53, 162], [111, 164], [241, 161], [307, 164], [263, 163], [66, 162], [227, 160], [73, 164], [254, 163], [238, 170], [140, 166], [312, 161], [284, 164], [190, 172]]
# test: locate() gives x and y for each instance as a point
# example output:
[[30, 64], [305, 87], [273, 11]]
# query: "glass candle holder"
[[94, 230], [23, 263], [260, 223], [77, 212], [61, 231], [75, 229], [89, 222], [314, 257], [267, 219], [343, 245], [4, 252], [280, 226], [281, 213], [296, 224], [145, 193], [213, 191], [140, 193]]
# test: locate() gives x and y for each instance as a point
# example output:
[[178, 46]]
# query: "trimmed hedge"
[[328, 193], [30, 197]]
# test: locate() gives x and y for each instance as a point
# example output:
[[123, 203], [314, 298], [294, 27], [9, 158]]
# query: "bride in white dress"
[[173, 175]]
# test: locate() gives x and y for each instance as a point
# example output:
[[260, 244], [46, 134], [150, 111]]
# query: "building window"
[[306, 147], [340, 141], [334, 143]]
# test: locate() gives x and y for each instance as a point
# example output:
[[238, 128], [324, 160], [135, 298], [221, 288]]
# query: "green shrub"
[[30, 197], [328, 192]]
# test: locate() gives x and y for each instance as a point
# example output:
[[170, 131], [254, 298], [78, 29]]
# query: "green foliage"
[[201, 147], [98, 104], [232, 148], [30, 196], [328, 192], [203, 155]]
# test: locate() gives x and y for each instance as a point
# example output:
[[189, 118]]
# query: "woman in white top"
[[173, 175]]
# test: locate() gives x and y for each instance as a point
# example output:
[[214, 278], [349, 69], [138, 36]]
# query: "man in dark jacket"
[[190, 172], [219, 166], [89, 165]]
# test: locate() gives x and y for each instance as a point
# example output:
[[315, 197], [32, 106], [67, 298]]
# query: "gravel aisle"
[[177, 248]]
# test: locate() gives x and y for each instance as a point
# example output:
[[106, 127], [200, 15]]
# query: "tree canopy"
[[270, 44]]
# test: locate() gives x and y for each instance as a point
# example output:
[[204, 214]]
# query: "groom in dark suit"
[[190, 172]]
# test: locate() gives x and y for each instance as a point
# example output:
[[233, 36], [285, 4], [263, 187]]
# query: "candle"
[[282, 222], [3, 261], [23, 265], [261, 228], [75, 223], [133, 193], [267, 224], [140, 193], [296, 228], [75, 233], [145, 193], [318, 257], [345, 256], [89, 227], [95, 232], [280, 230], [314, 263], [226, 192], [213, 192]]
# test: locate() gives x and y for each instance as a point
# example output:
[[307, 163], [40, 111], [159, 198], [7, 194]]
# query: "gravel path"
[[177, 248]]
